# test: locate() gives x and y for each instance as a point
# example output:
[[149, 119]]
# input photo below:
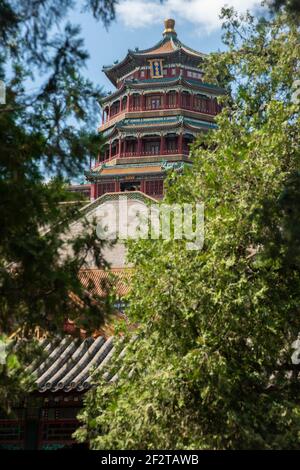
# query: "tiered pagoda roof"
[[159, 107], [170, 47], [150, 84]]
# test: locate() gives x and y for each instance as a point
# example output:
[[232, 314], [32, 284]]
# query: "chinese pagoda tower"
[[159, 106]]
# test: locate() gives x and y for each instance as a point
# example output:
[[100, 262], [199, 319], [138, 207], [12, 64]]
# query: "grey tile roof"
[[68, 364]]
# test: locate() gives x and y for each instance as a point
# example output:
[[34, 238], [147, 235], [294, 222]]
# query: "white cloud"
[[203, 14]]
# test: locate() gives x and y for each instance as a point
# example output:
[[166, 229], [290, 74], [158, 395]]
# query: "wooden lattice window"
[[186, 99], [135, 101], [171, 144], [11, 431], [204, 106], [154, 187], [152, 147], [153, 102], [172, 99], [106, 188], [58, 430]]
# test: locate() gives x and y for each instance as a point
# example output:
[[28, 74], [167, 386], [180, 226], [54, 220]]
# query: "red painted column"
[[162, 144], [109, 150], [125, 147], [117, 186], [139, 146], [120, 147], [127, 104], [93, 191], [108, 113], [143, 186]]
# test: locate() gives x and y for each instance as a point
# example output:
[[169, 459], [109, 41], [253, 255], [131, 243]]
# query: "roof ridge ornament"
[[169, 27]]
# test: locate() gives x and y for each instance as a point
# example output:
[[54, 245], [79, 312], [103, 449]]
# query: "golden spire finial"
[[169, 26]]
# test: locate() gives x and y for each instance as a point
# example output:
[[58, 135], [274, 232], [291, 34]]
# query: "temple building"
[[159, 106]]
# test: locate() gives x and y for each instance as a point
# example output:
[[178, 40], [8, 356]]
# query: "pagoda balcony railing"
[[135, 108], [162, 107], [151, 153], [144, 153], [171, 106], [129, 154]]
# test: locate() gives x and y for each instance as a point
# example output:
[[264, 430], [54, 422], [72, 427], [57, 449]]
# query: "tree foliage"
[[209, 366], [292, 6], [47, 129]]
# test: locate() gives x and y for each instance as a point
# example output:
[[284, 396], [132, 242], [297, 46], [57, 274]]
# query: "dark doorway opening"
[[130, 186]]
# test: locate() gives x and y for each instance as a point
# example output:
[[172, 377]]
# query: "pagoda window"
[[204, 105], [171, 144], [131, 146], [136, 102], [153, 102], [171, 99], [115, 108], [114, 150], [201, 103], [154, 187], [187, 141], [124, 102], [186, 100], [106, 188], [197, 102], [192, 74], [217, 106], [105, 114], [152, 147]]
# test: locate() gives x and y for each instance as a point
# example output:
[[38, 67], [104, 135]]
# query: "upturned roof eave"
[[160, 126], [160, 83], [110, 70], [176, 44]]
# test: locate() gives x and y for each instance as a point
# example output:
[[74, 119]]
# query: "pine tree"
[[47, 130]]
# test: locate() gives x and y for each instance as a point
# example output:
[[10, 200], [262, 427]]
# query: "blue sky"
[[139, 23]]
